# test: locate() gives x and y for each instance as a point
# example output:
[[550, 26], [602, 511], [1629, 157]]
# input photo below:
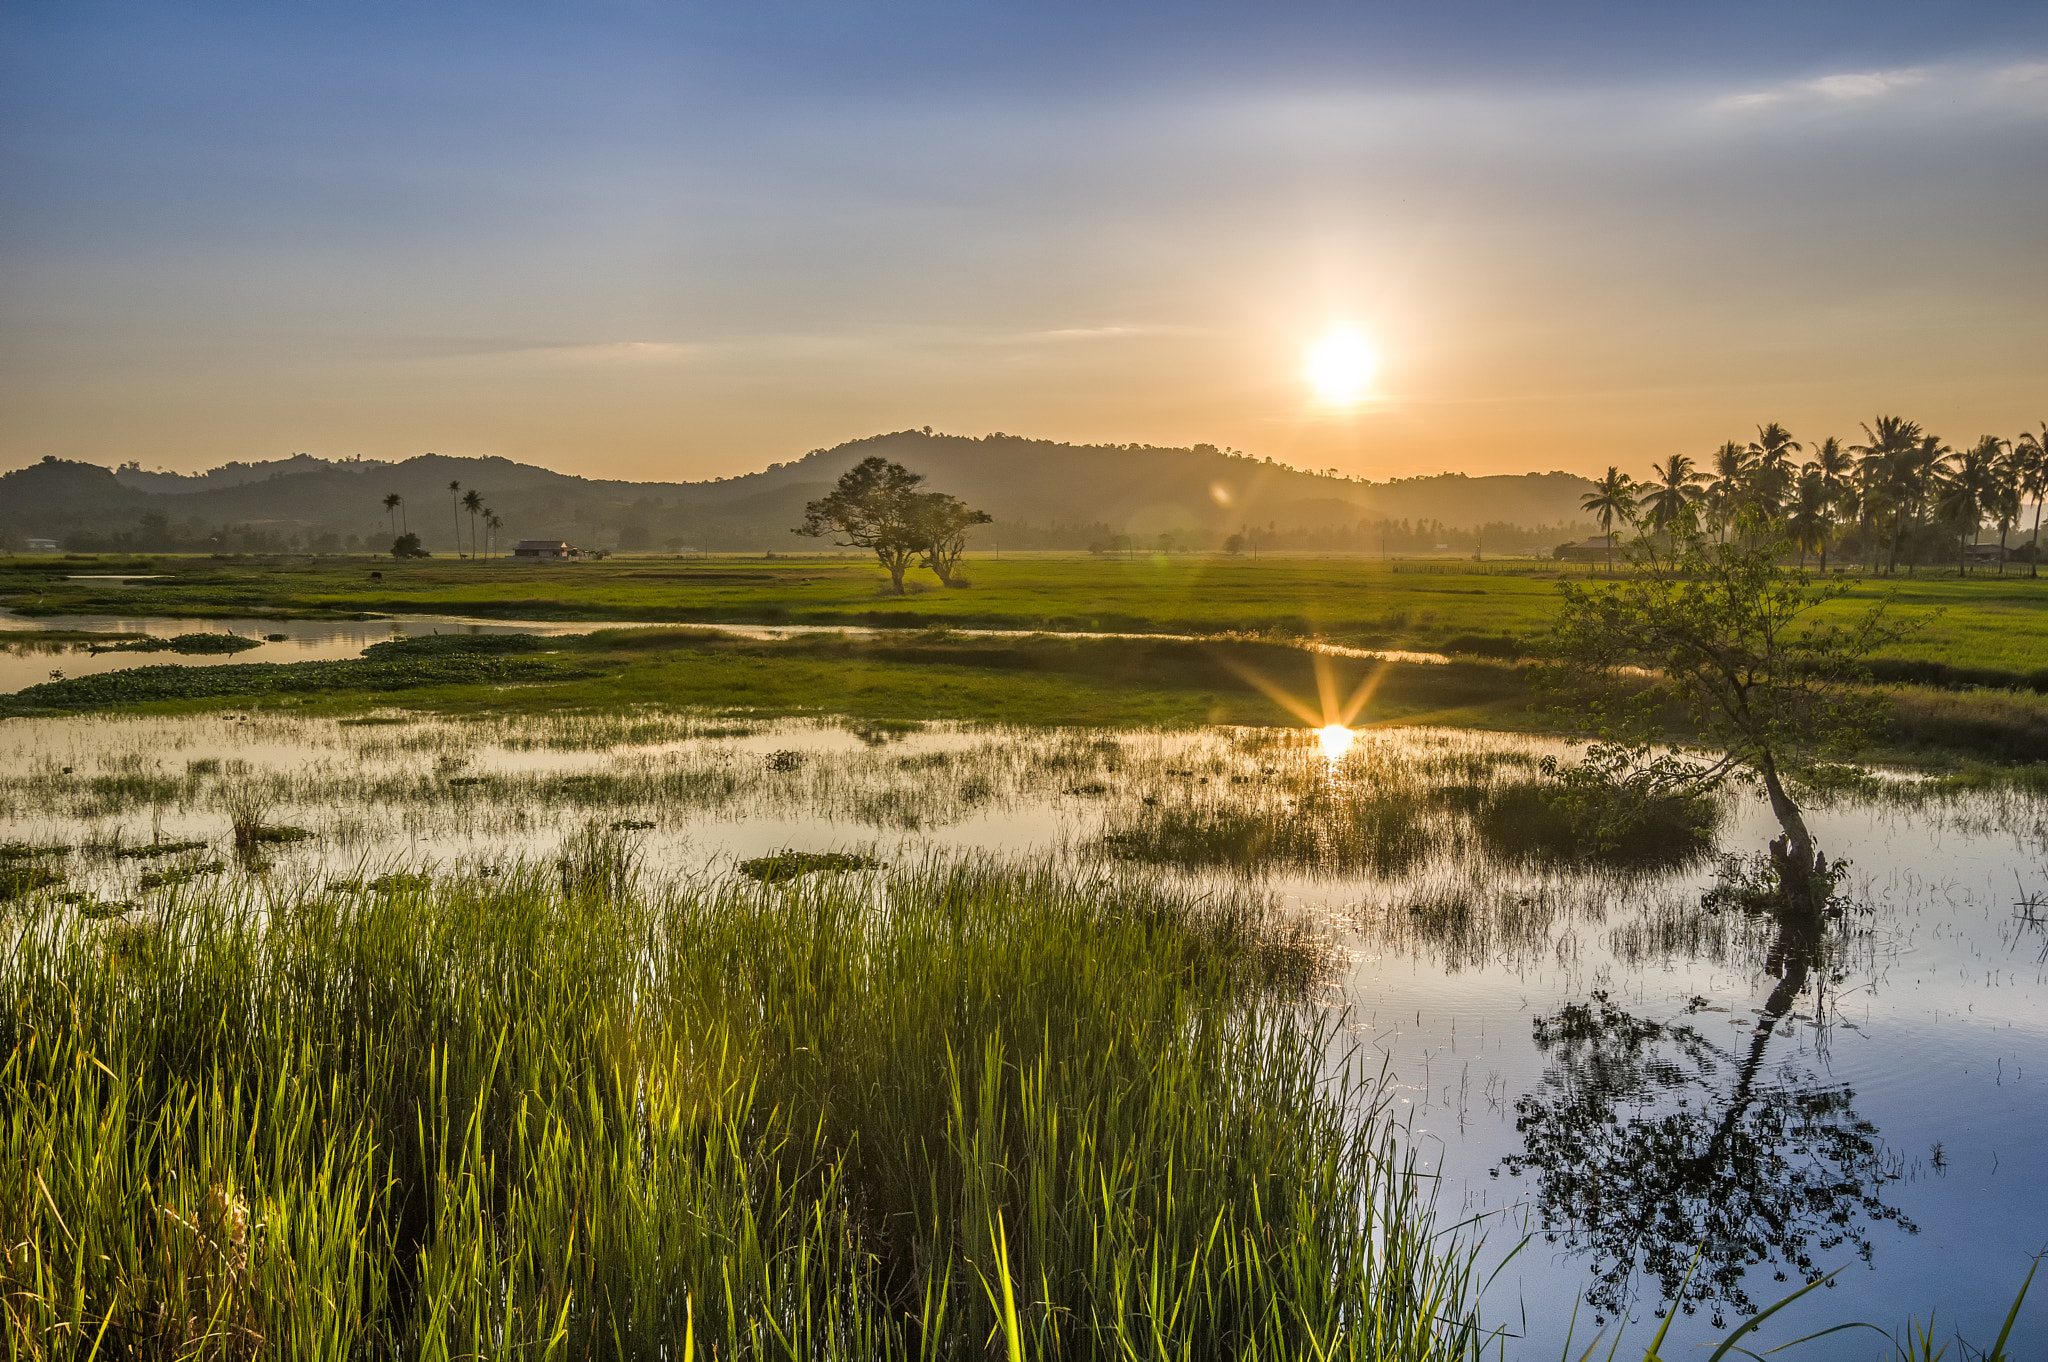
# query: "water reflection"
[[1656, 1148]]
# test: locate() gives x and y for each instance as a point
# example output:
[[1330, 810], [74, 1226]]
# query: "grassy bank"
[[563, 1114], [1121, 682], [1984, 622]]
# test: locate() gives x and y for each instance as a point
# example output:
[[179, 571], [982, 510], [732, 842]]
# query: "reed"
[[937, 1112]]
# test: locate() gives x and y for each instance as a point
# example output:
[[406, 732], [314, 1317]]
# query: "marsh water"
[[1607, 1068]]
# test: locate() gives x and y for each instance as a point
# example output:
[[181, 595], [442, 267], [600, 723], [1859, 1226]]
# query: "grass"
[[1984, 622], [536, 1119], [890, 683]]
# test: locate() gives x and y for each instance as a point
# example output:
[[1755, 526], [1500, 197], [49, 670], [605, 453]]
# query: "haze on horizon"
[[648, 240]]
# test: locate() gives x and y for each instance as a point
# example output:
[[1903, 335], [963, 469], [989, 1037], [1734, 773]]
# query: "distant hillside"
[[1042, 494]]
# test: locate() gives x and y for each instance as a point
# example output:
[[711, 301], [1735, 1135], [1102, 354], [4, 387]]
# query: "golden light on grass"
[[1335, 740], [1340, 368]]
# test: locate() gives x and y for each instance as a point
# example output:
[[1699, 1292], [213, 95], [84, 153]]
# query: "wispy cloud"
[[1842, 87]]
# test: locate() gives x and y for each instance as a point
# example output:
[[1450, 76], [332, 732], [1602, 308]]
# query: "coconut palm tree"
[[455, 512], [1886, 471], [2002, 495], [1808, 518], [1614, 495], [491, 527], [1771, 475], [1726, 487], [473, 502], [2030, 456], [1837, 472], [394, 506], [1963, 493], [1672, 492]]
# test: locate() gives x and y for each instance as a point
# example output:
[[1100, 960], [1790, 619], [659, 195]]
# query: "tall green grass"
[[954, 1112]]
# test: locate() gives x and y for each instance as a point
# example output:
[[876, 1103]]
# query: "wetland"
[[1586, 1086]]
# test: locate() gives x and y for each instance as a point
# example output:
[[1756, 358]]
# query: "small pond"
[[1610, 1063]]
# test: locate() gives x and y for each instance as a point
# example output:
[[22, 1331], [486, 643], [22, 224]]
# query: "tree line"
[[405, 543], [1902, 495]]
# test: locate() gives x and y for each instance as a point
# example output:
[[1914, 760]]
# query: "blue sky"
[[683, 240]]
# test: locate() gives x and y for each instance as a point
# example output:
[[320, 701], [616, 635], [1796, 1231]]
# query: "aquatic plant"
[[1072, 1122]]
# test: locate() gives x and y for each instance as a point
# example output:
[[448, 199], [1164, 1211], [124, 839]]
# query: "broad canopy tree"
[[877, 506], [1744, 647]]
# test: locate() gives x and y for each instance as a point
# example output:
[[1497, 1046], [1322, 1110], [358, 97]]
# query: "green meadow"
[[1981, 621]]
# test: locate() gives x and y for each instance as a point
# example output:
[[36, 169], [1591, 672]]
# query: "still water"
[[1605, 1070]]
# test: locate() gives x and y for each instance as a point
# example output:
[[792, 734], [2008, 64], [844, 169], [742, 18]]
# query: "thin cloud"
[[1840, 88]]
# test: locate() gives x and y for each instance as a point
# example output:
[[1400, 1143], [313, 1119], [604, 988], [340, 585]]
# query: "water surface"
[[1613, 1065]]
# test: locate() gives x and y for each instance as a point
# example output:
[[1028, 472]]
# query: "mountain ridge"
[[1043, 494]]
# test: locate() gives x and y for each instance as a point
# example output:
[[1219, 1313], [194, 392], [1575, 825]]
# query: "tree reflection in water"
[[1652, 1143]]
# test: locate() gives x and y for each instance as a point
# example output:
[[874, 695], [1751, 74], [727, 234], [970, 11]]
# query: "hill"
[[1043, 495]]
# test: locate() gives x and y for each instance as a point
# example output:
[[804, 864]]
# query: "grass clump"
[[19, 881], [784, 866], [29, 851], [1008, 1113], [155, 849], [198, 645], [1543, 822]]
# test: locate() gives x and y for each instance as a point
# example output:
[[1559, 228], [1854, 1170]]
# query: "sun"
[[1335, 740], [1340, 367]]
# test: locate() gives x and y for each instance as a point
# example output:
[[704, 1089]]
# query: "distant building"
[[546, 550], [43, 546], [1972, 553], [1590, 550]]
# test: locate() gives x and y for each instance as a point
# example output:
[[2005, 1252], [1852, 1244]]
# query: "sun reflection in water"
[[1336, 740]]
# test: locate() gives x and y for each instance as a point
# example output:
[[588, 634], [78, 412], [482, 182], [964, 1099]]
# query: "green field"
[[1982, 621]]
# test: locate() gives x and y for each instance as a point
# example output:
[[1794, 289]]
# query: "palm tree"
[[1835, 467], [1771, 467], [394, 505], [473, 502], [2002, 490], [1809, 520], [1730, 479], [2030, 456], [1886, 470], [1672, 492], [491, 527], [455, 512], [1963, 493], [1613, 495]]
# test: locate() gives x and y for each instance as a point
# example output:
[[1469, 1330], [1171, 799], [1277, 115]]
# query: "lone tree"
[[1743, 647], [877, 506], [940, 523]]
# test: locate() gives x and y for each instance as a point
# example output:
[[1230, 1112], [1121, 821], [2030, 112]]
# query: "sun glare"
[[1336, 740], [1340, 368]]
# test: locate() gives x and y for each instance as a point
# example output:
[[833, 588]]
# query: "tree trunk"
[[1803, 874], [1787, 812], [2034, 564]]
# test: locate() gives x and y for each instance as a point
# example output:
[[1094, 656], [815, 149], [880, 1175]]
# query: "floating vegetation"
[[784, 760], [784, 866], [96, 910], [400, 882], [191, 644], [177, 875], [631, 825], [17, 880], [155, 849], [27, 851]]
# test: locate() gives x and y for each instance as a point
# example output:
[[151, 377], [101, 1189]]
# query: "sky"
[[675, 241]]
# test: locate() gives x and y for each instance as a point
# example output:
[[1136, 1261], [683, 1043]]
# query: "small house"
[[43, 546], [1591, 550], [546, 550]]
